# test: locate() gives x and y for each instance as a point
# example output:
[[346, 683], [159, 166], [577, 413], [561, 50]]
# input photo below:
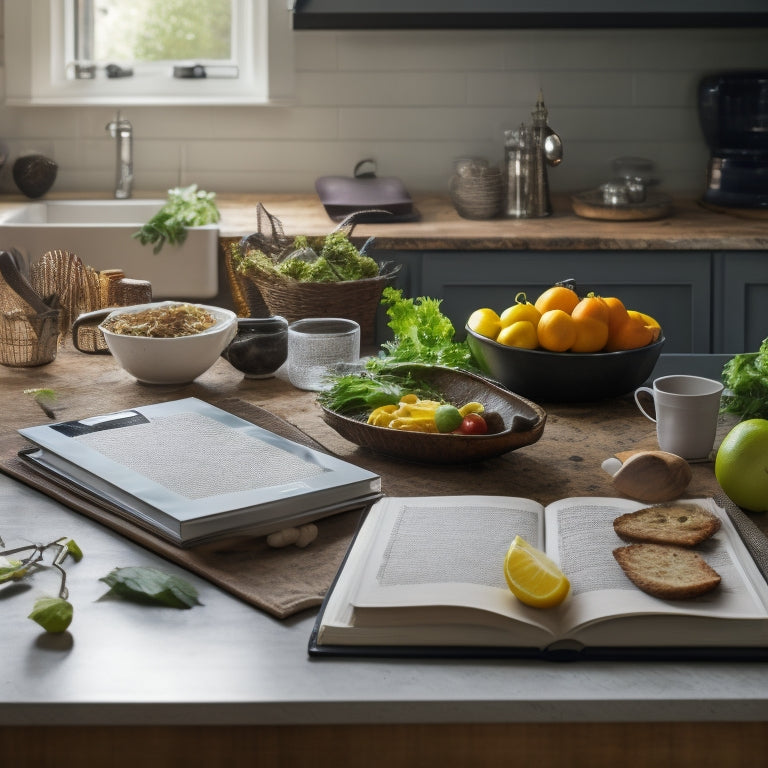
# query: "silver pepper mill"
[[546, 150]]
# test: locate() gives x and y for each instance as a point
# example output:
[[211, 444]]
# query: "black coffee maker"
[[733, 109]]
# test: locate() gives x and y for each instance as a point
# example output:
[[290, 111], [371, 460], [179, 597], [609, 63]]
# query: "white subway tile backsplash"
[[382, 88], [315, 51], [415, 101], [433, 51]]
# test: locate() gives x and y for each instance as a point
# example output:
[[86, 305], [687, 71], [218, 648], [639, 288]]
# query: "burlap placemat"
[[285, 581], [279, 581]]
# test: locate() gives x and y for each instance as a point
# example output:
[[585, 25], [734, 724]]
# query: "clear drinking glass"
[[317, 343]]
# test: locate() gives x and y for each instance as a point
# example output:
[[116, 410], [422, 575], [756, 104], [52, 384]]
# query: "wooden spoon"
[[649, 476]]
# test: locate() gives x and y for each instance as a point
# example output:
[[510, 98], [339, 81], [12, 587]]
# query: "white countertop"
[[227, 663]]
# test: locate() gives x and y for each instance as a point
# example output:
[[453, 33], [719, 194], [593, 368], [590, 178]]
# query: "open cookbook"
[[190, 472], [424, 577]]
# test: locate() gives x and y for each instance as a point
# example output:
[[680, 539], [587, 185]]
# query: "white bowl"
[[176, 360]]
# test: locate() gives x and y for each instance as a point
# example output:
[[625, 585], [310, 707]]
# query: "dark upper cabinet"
[[527, 14]]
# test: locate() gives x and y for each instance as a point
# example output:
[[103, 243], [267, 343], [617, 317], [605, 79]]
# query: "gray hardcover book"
[[191, 472]]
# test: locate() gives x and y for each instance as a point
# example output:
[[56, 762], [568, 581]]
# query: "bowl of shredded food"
[[168, 342]]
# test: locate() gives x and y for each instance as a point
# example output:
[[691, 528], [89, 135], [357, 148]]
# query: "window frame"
[[37, 52]]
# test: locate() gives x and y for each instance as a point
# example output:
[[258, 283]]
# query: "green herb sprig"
[[53, 614], [186, 207]]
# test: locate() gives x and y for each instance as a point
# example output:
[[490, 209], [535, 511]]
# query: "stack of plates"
[[478, 196]]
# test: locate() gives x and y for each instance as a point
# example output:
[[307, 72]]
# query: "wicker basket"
[[352, 299], [29, 328], [28, 340]]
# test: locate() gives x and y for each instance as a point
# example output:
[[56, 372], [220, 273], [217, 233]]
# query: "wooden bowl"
[[513, 422]]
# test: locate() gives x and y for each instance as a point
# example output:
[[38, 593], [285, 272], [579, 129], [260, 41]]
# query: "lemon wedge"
[[532, 577]]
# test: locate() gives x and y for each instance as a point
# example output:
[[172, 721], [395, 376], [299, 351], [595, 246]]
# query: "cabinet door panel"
[[674, 287], [742, 318]]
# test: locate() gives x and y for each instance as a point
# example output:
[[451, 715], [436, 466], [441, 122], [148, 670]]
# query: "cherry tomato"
[[473, 424]]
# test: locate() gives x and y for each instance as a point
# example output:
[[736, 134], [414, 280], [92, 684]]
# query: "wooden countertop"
[[689, 227]]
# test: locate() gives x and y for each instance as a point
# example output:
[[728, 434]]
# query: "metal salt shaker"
[[517, 162]]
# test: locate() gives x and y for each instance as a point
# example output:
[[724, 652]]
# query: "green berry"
[[448, 418]]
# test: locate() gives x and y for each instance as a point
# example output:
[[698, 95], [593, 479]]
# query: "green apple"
[[741, 465]]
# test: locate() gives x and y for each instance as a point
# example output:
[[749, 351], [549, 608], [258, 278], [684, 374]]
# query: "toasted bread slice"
[[665, 571], [681, 523]]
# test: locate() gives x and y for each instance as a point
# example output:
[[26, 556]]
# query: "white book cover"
[[192, 471]]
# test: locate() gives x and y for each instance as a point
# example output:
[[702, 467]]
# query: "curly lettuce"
[[422, 334], [745, 377]]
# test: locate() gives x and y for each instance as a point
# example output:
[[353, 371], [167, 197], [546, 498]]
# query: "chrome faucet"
[[122, 130]]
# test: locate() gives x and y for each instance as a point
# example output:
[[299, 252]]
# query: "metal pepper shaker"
[[546, 149]]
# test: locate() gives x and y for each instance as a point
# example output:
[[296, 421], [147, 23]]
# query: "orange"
[[485, 322], [617, 312], [557, 297], [519, 334], [648, 321], [592, 306], [522, 309], [617, 316], [631, 334], [591, 335], [556, 330]]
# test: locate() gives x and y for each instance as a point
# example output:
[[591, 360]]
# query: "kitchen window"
[[147, 52]]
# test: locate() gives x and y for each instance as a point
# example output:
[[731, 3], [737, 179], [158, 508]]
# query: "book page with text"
[[448, 551], [581, 538]]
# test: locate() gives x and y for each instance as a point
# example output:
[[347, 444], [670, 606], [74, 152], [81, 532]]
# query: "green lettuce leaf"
[[150, 585]]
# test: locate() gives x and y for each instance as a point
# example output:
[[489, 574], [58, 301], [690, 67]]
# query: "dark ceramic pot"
[[260, 346]]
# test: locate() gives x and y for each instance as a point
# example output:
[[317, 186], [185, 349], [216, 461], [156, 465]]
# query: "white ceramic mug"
[[686, 413], [315, 344]]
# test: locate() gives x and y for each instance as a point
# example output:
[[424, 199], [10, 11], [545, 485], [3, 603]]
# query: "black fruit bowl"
[[564, 376]]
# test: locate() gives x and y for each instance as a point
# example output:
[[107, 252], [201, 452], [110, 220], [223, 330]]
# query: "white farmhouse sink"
[[100, 233]]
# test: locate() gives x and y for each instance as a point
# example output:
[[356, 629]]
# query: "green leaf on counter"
[[150, 585], [74, 551], [44, 398], [53, 614], [11, 570]]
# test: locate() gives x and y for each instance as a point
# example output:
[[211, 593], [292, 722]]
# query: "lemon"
[[520, 334], [741, 465], [532, 577], [485, 322], [520, 311]]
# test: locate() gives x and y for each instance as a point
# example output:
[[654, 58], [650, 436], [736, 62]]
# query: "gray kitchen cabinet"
[[675, 287], [741, 301]]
